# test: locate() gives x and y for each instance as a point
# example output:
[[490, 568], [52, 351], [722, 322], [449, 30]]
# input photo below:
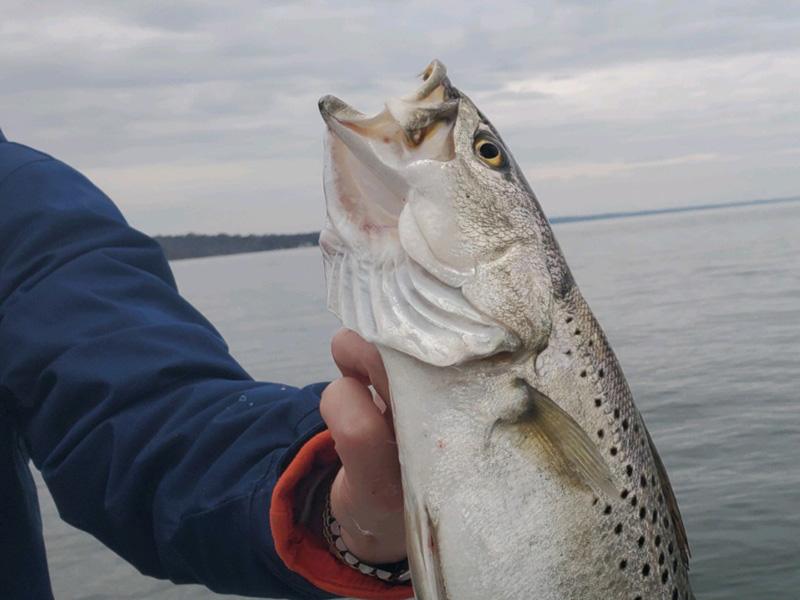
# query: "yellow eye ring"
[[489, 152]]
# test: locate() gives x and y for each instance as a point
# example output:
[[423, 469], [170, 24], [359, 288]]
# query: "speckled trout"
[[527, 470]]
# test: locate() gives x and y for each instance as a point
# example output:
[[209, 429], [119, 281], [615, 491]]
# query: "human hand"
[[366, 495]]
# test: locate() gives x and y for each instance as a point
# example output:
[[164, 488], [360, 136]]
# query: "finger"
[[366, 496], [365, 443], [361, 360]]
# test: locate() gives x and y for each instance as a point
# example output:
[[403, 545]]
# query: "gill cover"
[[397, 303]]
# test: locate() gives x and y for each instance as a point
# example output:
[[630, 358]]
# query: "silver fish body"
[[527, 470]]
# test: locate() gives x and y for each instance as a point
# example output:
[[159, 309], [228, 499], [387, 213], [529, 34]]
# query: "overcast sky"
[[202, 116]]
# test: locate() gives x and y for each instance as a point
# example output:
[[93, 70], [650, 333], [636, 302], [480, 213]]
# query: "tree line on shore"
[[192, 245]]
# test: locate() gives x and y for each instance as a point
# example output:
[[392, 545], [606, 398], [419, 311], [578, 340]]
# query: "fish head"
[[434, 244]]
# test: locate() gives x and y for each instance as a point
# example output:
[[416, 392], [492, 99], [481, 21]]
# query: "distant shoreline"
[[192, 245], [179, 247]]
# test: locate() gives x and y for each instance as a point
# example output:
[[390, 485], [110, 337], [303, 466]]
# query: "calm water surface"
[[703, 310]]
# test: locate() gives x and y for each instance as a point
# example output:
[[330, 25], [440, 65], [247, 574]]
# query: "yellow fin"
[[572, 454]]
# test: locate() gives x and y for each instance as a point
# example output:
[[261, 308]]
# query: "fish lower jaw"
[[360, 203]]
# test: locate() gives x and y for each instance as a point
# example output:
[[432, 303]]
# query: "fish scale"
[[644, 545], [527, 469]]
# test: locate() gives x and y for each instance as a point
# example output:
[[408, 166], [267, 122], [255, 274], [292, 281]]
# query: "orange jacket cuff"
[[301, 550]]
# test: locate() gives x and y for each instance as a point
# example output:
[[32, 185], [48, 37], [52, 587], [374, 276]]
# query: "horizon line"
[[673, 209]]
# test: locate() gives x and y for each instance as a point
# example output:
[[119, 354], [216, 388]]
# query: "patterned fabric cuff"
[[302, 551]]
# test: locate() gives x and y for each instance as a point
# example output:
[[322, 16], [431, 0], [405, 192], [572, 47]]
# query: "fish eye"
[[489, 152]]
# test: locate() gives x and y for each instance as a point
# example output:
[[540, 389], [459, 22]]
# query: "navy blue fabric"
[[147, 432]]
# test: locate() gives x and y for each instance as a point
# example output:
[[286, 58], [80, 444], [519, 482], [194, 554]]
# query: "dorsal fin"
[[672, 503]]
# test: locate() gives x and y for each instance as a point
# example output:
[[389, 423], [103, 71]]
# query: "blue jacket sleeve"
[[147, 432]]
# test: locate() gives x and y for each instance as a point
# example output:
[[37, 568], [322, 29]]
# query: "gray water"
[[703, 310]]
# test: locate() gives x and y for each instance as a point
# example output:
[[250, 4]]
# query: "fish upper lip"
[[432, 78], [435, 75]]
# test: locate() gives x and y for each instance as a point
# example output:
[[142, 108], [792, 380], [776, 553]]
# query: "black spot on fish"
[[613, 450], [568, 352], [598, 402], [583, 373], [674, 593], [625, 424], [661, 558], [569, 320], [671, 548], [646, 570], [658, 541], [624, 494], [607, 509], [601, 372], [655, 515], [616, 413], [577, 331], [634, 501], [618, 528], [643, 481], [591, 343], [666, 522], [674, 565], [595, 501], [665, 576], [622, 564], [600, 433], [629, 470], [642, 512], [653, 480], [661, 498], [638, 598], [640, 541]]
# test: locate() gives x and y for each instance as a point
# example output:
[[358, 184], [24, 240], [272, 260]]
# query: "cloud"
[[664, 88], [175, 107], [572, 170]]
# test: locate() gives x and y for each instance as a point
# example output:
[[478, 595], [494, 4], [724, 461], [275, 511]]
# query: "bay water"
[[703, 310]]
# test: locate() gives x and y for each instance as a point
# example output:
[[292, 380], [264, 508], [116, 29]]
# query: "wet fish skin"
[[527, 469]]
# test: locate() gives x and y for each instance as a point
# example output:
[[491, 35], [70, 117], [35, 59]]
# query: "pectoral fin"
[[569, 451]]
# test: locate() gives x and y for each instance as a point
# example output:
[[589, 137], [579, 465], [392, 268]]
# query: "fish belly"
[[484, 520]]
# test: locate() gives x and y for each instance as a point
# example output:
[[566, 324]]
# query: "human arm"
[[148, 434]]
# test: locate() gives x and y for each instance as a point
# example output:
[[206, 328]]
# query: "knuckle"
[[332, 395], [358, 429], [339, 339], [350, 414]]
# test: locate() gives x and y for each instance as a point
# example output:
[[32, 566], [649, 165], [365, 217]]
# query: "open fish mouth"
[[371, 158], [393, 259]]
